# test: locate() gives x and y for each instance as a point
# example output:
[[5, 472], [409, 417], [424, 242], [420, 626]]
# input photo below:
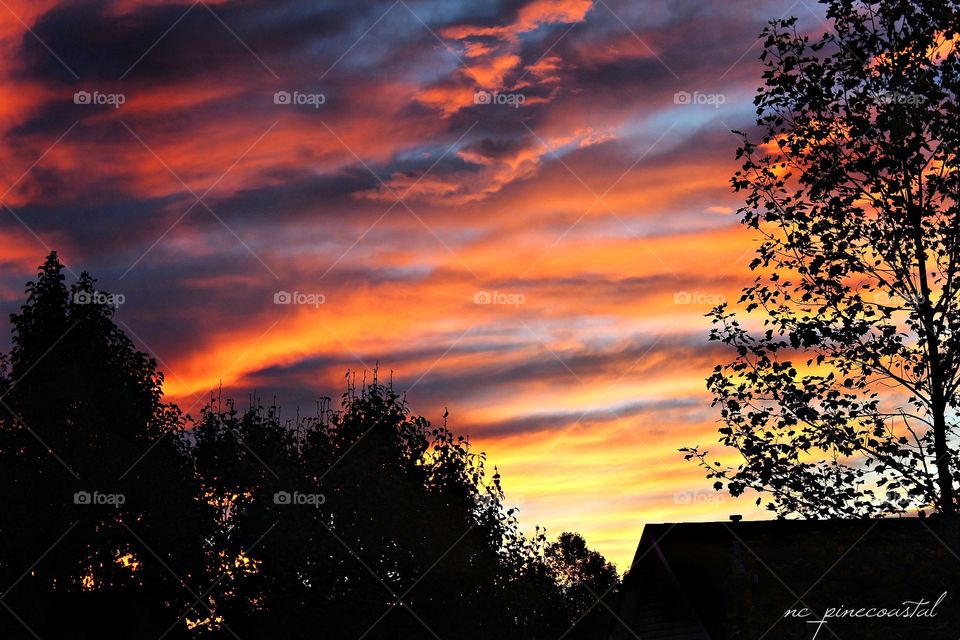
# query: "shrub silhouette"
[[362, 520]]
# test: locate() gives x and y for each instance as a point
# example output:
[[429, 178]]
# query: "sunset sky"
[[567, 161]]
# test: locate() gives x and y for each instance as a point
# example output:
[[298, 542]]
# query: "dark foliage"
[[841, 398], [125, 519]]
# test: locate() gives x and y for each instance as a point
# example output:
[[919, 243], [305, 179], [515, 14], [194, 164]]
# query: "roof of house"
[[718, 580]]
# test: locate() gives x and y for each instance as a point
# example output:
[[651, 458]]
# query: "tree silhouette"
[[360, 521], [408, 536], [842, 394], [587, 582], [93, 470]]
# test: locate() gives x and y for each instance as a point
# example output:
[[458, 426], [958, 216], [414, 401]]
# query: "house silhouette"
[[786, 579]]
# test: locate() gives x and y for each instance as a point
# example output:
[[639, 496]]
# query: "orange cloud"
[[591, 382], [530, 17], [493, 55]]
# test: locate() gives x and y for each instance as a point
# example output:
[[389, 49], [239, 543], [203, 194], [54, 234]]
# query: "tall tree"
[[842, 396], [95, 488]]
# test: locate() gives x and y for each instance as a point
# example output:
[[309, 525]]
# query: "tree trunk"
[[938, 403]]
